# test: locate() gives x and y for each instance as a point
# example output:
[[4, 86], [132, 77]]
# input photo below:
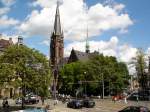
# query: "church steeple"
[[57, 41], [87, 46], [57, 23]]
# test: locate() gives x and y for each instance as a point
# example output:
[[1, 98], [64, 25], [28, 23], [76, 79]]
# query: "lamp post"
[[55, 73], [85, 82], [102, 76], [103, 84]]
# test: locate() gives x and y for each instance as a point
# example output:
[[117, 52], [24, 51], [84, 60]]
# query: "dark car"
[[88, 103], [135, 109], [76, 104], [33, 99], [139, 96]]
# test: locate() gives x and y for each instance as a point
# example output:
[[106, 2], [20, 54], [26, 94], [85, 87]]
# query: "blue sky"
[[34, 21]]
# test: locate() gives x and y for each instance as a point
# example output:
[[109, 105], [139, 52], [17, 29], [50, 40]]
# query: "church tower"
[[57, 42]]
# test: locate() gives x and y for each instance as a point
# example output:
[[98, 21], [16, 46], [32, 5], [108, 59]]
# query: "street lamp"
[[55, 76], [103, 84], [85, 82], [102, 76]]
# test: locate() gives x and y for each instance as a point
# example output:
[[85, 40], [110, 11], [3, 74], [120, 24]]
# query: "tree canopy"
[[21, 66], [90, 75]]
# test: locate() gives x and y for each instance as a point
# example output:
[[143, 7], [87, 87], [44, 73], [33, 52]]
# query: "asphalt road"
[[101, 106]]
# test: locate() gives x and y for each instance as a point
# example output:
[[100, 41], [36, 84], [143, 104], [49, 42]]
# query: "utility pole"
[[85, 82], [103, 84], [55, 79]]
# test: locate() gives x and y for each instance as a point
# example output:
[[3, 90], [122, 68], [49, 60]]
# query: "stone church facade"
[[57, 42]]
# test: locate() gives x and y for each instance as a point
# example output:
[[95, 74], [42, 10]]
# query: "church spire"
[[87, 46], [57, 24]]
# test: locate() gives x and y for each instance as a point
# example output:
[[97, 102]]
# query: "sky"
[[115, 27]]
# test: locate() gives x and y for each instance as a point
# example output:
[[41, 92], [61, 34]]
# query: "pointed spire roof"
[[87, 46], [57, 23]]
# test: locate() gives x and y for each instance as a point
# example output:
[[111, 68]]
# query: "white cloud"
[[4, 10], [110, 48], [119, 7], [44, 3], [148, 51], [6, 22], [73, 18], [8, 2], [127, 52]]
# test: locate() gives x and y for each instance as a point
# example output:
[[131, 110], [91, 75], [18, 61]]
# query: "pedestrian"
[[5, 103], [114, 98], [125, 99], [55, 102], [42, 99], [137, 98]]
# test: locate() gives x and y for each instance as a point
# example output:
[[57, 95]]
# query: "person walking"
[[42, 99], [125, 98]]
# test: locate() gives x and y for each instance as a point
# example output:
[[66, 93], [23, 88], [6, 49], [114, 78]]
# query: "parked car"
[[18, 101], [76, 104], [33, 99], [143, 96], [135, 109], [28, 100], [88, 103]]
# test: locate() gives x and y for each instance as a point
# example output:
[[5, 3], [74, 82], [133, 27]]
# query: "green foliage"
[[140, 64], [89, 75], [21, 66]]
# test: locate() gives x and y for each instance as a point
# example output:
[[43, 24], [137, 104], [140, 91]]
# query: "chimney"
[[20, 40]]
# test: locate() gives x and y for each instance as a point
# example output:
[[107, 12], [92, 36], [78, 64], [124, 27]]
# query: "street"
[[101, 106]]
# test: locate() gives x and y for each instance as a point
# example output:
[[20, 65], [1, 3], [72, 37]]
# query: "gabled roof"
[[80, 56]]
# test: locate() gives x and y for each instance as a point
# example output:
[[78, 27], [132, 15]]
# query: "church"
[[57, 58]]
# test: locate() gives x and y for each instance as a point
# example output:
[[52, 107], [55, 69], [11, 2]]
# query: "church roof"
[[81, 55]]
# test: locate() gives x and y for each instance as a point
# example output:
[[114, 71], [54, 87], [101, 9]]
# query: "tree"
[[26, 68], [140, 65], [97, 74], [69, 78]]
